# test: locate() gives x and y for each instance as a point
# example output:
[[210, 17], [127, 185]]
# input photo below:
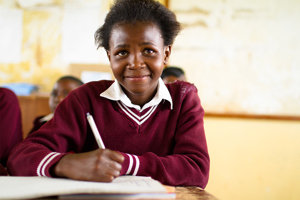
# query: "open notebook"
[[13, 187]]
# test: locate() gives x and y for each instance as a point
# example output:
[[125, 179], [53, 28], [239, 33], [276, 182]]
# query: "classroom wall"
[[40, 39], [253, 158], [241, 54]]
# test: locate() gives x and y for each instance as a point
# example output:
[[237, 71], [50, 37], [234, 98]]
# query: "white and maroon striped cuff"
[[43, 164], [134, 162]]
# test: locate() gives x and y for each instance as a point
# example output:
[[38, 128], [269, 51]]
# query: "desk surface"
[[193, 193], [182, 193]]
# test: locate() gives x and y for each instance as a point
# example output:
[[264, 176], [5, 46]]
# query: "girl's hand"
[[101, 165]]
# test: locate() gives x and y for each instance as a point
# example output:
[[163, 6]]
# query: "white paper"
[[13, 187]]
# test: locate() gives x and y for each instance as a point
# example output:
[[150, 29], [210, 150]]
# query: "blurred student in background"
[[60, 90], [10, 125], [171, 74]]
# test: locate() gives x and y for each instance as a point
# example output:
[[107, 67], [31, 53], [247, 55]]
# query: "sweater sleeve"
[[63, 134], [189, 163], [10, 123]]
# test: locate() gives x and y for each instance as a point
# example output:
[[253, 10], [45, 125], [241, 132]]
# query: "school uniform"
[[40, 121], [164, 139], [10, 123]]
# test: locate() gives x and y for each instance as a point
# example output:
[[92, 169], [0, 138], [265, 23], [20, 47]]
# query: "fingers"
[[111, 161], [113, 155], [108, 167], [109, 164], [116, 156], [114, 166]]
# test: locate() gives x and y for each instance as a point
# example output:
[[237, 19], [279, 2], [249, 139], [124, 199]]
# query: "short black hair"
[[132, 11], [172, 71], [72, 78]]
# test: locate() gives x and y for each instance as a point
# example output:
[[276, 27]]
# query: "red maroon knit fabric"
[[168, 145], [10, 123], [37, 124]]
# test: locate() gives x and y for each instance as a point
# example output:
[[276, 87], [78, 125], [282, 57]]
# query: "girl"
[[148, 128]]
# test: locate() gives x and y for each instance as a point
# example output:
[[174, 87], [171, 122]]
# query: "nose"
[[60, 98], [136, 61]]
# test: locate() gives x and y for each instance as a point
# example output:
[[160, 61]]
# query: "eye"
[[148, 51], [65, 94], [122, 53], [53, 93]]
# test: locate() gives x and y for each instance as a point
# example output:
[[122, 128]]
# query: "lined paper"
[[35, 187]]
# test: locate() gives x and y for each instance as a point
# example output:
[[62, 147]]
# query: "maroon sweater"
[[168, 145], [10, 123], [37, 124]]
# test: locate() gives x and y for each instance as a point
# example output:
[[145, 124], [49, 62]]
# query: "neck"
[[140, 99]]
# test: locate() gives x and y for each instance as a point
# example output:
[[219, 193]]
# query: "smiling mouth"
[[137, 78]]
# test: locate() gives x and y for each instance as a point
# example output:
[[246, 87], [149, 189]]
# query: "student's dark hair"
[[132, 11], [72, 78], [172, 71]]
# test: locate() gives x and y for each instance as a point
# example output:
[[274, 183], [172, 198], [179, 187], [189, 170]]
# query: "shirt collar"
[[46, 118], [115, 93]]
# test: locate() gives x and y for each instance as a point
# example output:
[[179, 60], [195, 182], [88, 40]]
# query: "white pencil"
[[95, 131]]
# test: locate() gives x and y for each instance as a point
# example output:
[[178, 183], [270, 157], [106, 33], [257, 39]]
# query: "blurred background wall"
[[41, 38], [243, 56]]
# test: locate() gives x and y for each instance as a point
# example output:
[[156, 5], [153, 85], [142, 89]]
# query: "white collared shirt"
[[46, 118], [115, 93]]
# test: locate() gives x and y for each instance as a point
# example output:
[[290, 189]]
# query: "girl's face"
[[137, 57]]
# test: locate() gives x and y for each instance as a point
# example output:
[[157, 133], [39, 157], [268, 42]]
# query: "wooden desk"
[[193, 193]]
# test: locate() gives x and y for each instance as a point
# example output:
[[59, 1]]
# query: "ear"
[[167, 54], [108, 55]]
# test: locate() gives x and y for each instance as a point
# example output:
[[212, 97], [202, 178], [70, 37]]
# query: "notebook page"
[[14, 187]]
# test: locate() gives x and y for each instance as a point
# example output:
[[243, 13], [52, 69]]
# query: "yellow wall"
[[253, 158]]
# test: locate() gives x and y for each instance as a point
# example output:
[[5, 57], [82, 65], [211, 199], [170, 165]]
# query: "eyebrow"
[[121, 46], [141, 44], [146, 43]]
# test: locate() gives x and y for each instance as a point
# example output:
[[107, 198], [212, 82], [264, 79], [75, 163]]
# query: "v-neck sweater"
[[168, 145]]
